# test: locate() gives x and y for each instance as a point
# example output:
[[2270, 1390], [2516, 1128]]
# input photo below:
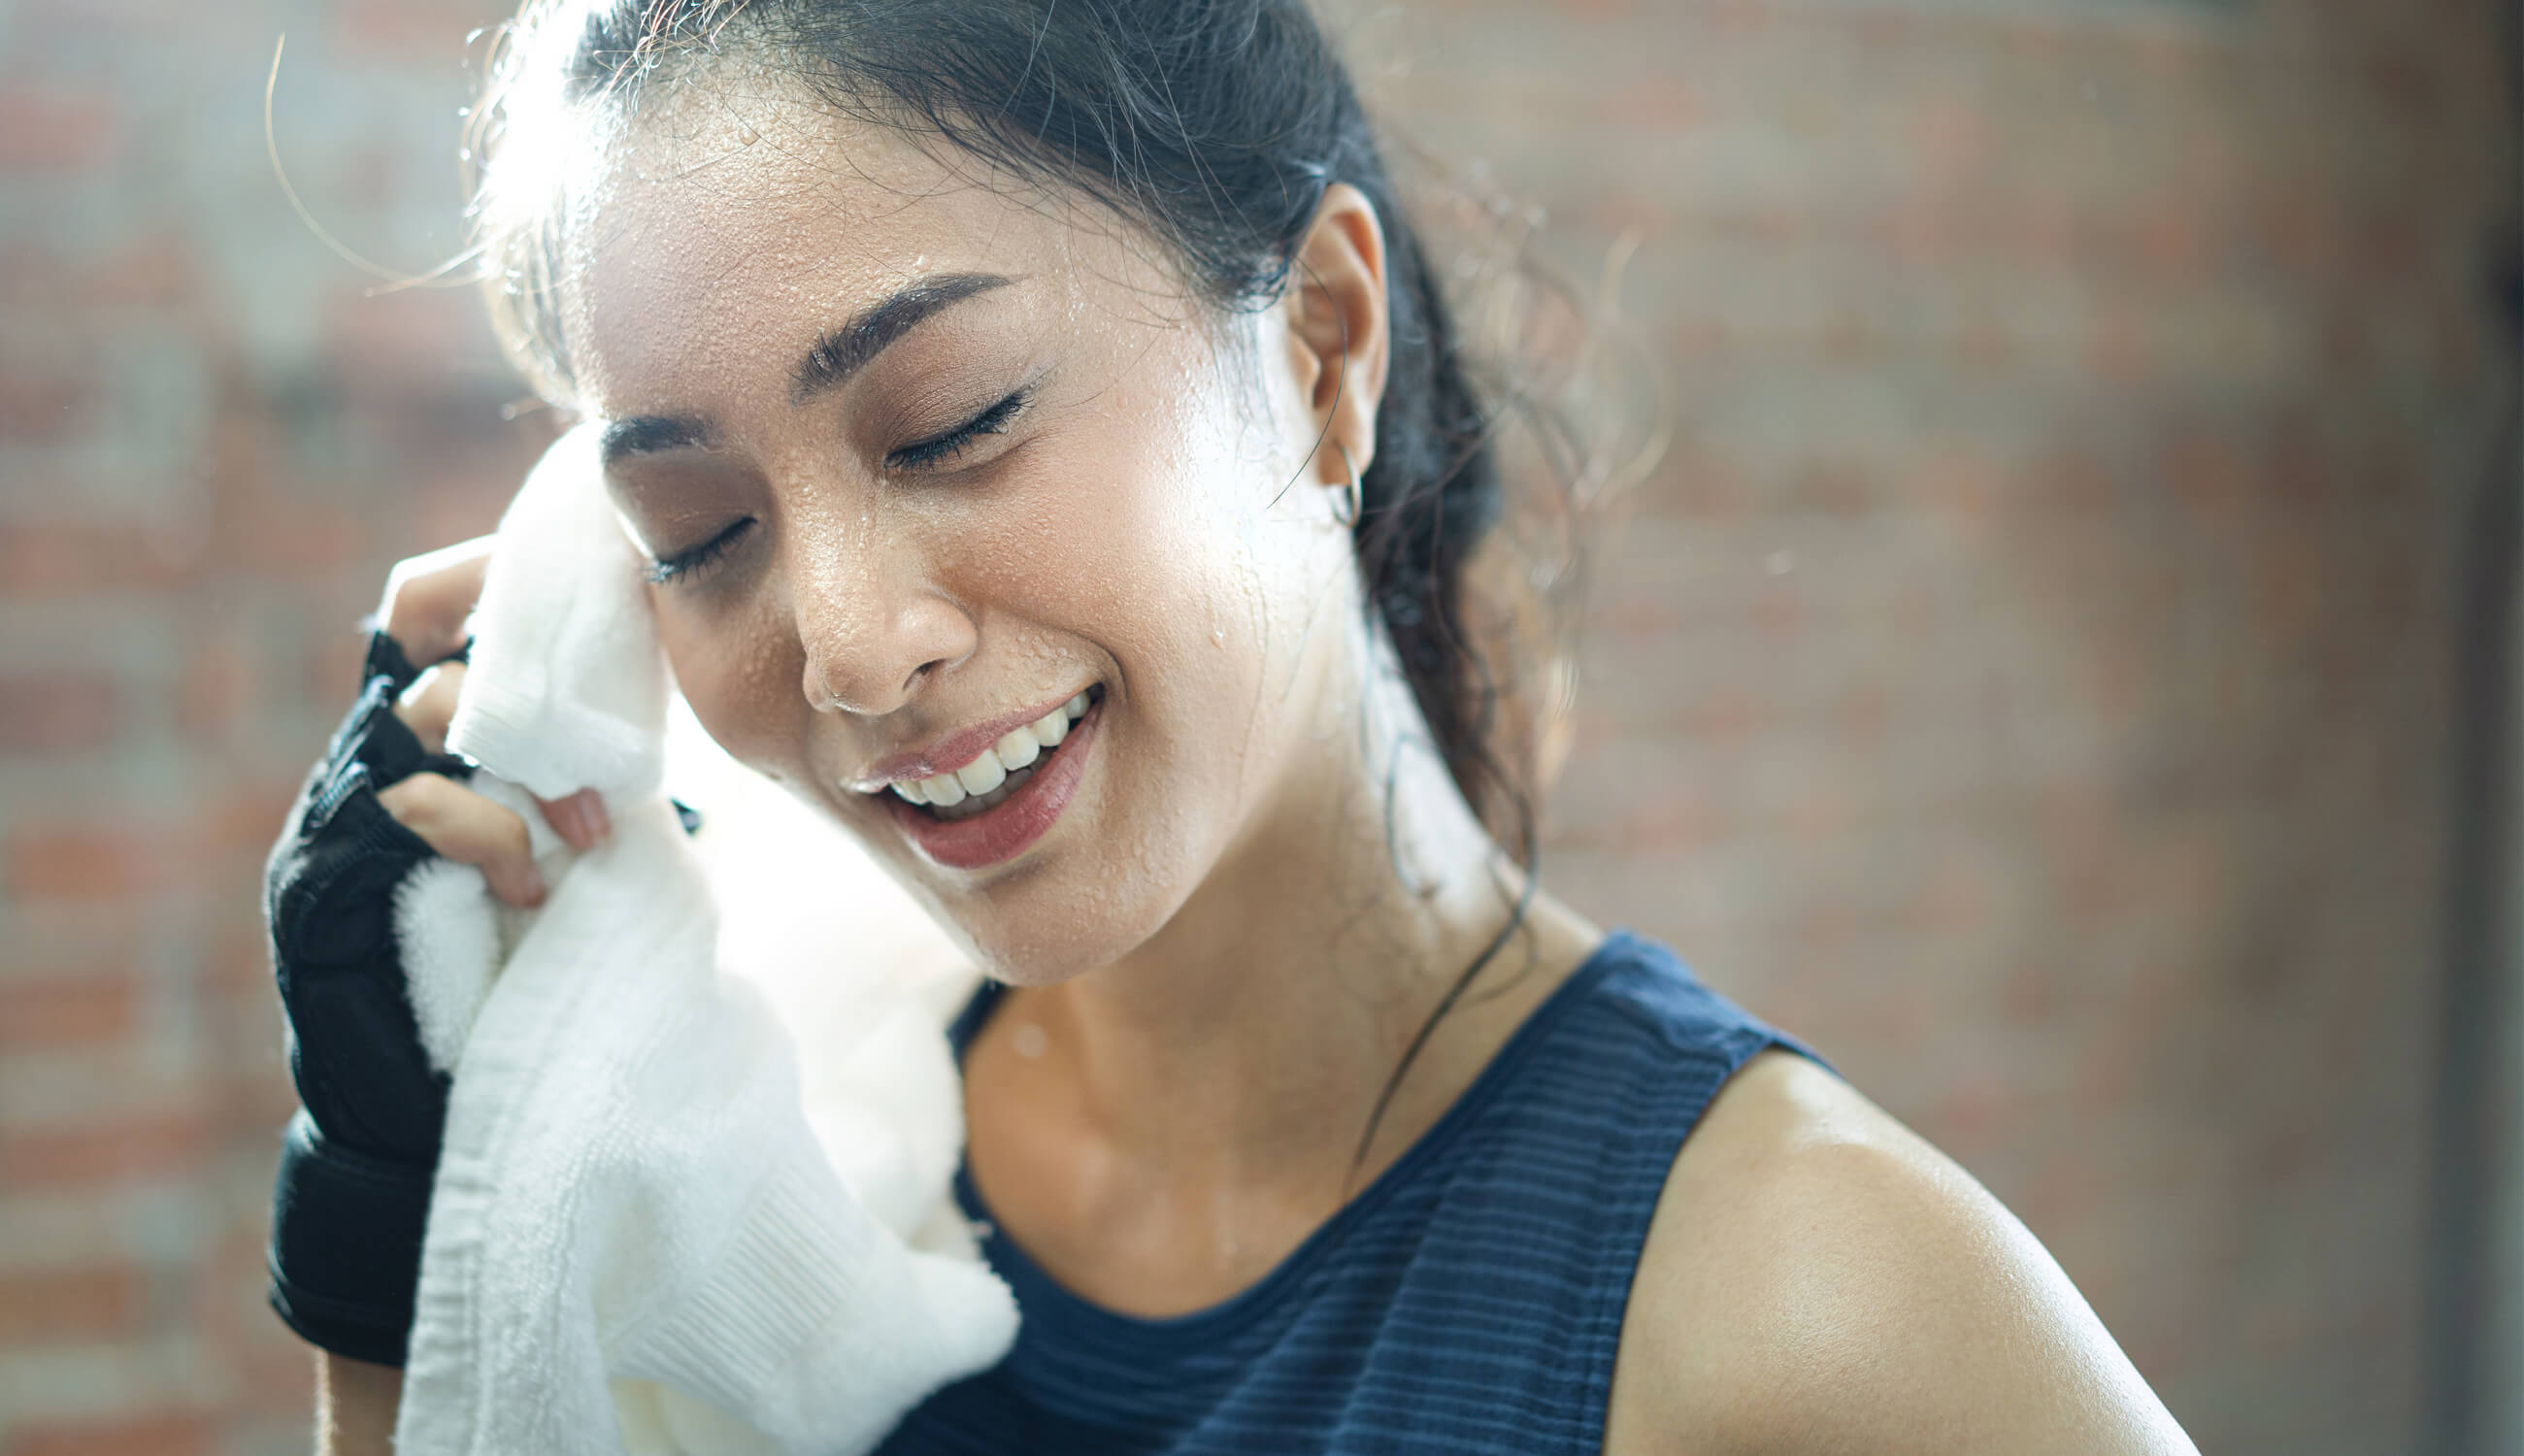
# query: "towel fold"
[[649, 1232]]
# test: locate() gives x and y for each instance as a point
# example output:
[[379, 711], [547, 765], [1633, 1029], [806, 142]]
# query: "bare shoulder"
[[1818, 1279]]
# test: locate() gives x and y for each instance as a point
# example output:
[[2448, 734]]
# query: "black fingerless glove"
[[352, 1190]]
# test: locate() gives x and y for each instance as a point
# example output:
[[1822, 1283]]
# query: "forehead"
[[719, 233]]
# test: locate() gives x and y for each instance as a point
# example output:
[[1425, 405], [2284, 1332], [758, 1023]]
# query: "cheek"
[[1171, 561], [1154, 561], [740, 674]]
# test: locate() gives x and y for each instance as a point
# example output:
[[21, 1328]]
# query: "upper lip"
[[953, 751]]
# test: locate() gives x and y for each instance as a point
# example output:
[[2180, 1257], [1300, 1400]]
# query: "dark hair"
[[1216, 125]]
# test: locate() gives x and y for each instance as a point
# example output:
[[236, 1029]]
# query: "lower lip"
[[1009, 828]]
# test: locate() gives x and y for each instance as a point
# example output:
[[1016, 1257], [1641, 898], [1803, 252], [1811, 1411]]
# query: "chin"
[[1083, 887], [1037, 934], [1076, 904]]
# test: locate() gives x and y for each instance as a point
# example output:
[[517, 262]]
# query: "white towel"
[[648, 1232]]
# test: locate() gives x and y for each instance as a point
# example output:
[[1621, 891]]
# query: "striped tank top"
[[1468, 1300]]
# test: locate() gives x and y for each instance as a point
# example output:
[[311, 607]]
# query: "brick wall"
[[2035, 649], [2032, 662], [211, 443]]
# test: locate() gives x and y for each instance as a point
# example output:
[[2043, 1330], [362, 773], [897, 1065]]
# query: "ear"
[[1339, 336]]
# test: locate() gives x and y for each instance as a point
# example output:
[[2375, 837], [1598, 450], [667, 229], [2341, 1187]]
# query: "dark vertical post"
[[2480, 1089]]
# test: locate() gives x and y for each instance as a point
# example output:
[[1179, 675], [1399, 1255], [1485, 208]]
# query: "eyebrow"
[[650, 434], [840, 354], [846, 350]]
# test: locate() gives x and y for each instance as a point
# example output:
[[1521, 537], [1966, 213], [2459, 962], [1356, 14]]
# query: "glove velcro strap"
[[386, 660], [346, 1240]]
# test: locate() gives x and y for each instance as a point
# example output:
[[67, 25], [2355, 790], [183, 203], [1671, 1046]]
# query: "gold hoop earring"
[[1345, 510]]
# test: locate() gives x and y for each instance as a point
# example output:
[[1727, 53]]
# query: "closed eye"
[[938, 450], [687, 566]]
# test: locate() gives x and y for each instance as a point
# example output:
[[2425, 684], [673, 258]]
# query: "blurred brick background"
[[2035, 654]]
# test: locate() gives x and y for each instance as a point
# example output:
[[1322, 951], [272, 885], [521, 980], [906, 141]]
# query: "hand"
[[352, 1189], [427, 599]]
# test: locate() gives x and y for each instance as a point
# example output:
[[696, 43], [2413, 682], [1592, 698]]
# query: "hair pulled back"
[[1215, 124]]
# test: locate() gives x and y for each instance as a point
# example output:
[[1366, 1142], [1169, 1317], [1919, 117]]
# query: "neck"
[[1247, 1042]]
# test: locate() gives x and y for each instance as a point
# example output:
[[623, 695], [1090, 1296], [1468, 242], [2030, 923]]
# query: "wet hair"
[[1214, 125]]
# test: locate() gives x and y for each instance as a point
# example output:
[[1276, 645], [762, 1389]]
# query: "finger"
[[428, 596], [468, 829], [580, 818], [428, 706]]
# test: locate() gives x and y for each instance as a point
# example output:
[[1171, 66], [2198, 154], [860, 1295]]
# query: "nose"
[[874, 635]]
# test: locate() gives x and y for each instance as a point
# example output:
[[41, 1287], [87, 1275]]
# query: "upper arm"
[[1818, 1279]]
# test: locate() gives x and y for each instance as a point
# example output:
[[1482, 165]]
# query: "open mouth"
[[996, 806], [1004, 768]]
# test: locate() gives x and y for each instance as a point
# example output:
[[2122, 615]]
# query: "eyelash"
[[938, 448], [687, 566]]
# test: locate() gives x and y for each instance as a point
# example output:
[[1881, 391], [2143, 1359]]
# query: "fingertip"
[[523, 887], [564, 815], [580, 819]]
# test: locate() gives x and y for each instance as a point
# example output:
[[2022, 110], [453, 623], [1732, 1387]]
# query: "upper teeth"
[[1017, 749]]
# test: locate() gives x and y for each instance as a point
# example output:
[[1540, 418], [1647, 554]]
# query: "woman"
[[1060, 468]]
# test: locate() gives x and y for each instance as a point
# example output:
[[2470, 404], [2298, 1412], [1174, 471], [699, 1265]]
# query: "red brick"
[[1660, 104], [238, 825], [45, 129], [262, 1360], [2116, 351], [158, 1147], [51, 1015], [157, 272], [192, 1433], [71, 941], [217, 844], [58, 712], [65, 1307], [395, 339], [154, 274], [64, 558], [86, 861], [235, 959], [308, 542], [39, 406], [217, 686], [425, 36], [192, 27]]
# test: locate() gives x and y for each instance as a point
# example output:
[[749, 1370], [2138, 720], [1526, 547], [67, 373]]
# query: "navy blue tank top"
[[1468, 1300]]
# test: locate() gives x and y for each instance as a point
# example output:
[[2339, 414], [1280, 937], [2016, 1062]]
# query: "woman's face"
[[930, 462]]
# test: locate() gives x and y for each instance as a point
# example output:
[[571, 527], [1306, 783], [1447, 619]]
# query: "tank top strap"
[[1468, 1300]]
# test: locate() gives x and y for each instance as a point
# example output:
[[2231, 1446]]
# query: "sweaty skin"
[[1223, 942]]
